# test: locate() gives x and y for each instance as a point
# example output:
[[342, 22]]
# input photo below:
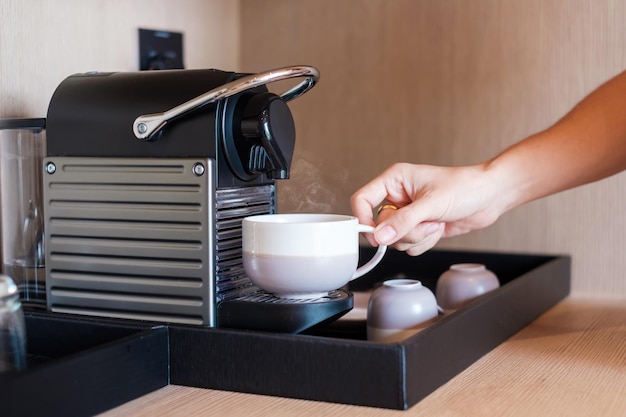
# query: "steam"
[[311, 189]]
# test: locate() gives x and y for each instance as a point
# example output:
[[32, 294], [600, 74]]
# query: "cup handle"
[[378, 256]]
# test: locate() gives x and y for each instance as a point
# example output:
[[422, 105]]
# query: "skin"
[[586, 145]]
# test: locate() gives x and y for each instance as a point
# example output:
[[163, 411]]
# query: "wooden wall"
[[448, 82], [44, 41]]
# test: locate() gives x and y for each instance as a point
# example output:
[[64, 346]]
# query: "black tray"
[[335, 363], [80, 366]]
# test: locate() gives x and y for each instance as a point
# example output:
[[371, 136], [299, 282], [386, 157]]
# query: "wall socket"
[[159, 49]]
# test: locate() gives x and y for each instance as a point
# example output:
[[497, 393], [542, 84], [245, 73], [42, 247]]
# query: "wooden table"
[[569, 362]]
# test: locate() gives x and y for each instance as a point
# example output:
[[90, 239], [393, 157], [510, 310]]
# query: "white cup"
[[462, 284], [399, 309], [304, 255]]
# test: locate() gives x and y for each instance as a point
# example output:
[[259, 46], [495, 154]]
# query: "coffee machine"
[[146, 180]]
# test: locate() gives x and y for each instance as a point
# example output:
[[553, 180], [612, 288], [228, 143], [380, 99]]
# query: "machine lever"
[[147, 126]]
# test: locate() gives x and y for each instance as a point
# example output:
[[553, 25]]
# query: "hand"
[[433, 202]]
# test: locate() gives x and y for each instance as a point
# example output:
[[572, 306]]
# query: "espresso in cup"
[[304, 255]]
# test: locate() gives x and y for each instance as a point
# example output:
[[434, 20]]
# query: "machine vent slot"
[[134, 315], [232, 205], [86, 279]]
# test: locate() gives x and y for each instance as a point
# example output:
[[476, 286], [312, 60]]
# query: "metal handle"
[[147, 126]]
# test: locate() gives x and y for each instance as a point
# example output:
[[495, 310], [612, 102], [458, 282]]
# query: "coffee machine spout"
[[268, 124]]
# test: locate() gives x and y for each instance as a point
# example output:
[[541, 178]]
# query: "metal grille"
[[130, 238], [232, 205]]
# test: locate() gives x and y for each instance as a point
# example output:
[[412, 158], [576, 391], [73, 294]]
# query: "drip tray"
[[264, 311]]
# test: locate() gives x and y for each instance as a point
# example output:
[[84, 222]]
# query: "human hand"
[[433, 202]]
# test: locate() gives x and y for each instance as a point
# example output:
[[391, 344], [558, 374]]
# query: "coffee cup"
[[399, 309], [304, 255], [463, 283]]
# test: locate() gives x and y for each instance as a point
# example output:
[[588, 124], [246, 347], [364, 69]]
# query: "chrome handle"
[[147, 126]]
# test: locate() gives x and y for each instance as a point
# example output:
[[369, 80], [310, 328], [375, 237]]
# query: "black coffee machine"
[[147, 178]]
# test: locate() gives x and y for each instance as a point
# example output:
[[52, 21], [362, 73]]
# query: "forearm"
[[588, 144]]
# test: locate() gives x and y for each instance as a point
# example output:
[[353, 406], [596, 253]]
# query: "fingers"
[[389, 187], [418, 239], [392, 224], [363, 202], [365, 199], [433, 202], [408, 226], [411, 223], [434, 232], [371, 237]]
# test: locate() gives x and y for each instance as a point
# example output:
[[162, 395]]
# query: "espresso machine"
[[146, 180]]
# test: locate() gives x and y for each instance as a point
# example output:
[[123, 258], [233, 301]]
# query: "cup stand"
[[263, 311]]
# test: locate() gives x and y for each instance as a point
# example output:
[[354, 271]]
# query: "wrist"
[[505, 184]]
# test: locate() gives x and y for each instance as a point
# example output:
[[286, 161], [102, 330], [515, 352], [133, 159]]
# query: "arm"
[[588, 144]]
